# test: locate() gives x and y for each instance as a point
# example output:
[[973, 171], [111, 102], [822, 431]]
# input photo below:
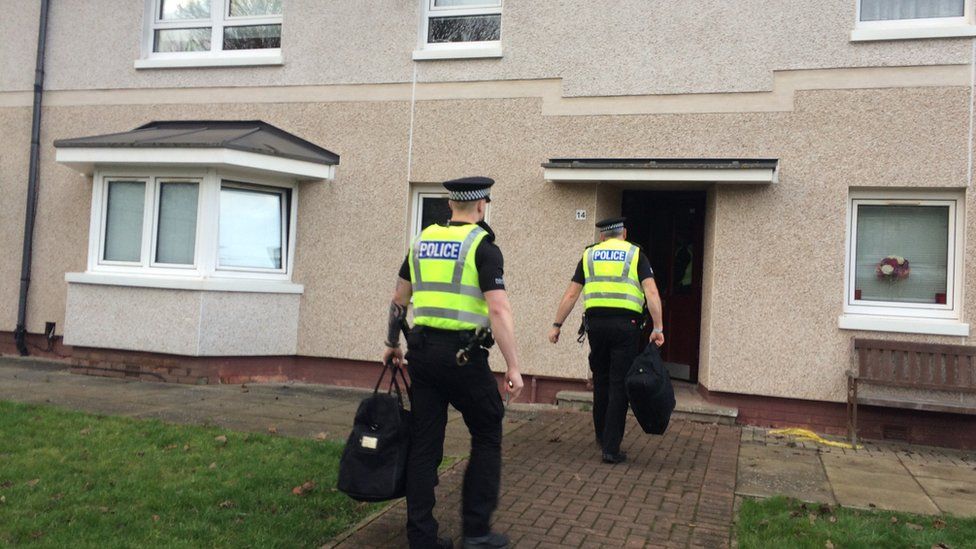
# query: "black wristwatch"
[[557, 324]]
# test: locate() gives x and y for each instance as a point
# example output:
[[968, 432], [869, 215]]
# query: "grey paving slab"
[[766, 471], [873, 482], [956, 496]]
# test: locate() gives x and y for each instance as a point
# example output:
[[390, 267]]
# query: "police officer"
[[616, 279], [455, 274]]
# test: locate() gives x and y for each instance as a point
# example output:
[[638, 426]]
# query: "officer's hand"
[[394, 354], [513, 385], [554, 334], [657, 339]]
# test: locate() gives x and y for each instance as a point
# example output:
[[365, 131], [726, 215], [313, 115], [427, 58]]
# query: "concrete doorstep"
[[689, 405]]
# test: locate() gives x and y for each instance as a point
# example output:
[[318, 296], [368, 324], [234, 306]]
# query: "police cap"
[[467, 189], [611, 224]]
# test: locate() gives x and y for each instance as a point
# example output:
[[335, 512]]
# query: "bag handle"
[[388, 365]]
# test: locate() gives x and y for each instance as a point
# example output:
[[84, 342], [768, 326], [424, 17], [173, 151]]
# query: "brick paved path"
[[675, 491]]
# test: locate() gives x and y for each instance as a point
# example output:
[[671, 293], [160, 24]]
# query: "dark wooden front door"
[[670, 227]]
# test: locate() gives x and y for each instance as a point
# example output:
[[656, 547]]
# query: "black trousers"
[[613, 347], [436, 381]]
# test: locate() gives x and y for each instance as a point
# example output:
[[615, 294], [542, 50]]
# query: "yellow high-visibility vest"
[[446, 291], [610, 274]]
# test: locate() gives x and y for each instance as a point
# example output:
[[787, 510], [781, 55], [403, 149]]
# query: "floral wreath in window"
[[892, 268]]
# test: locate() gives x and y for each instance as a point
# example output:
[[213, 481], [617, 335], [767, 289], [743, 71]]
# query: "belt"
[[446, 336]]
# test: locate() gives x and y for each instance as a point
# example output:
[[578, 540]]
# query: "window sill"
[[903, 325], [459, 53], [190, 283], [235, 61], [910, 33]]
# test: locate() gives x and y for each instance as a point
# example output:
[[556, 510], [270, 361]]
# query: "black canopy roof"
[[244, 135]]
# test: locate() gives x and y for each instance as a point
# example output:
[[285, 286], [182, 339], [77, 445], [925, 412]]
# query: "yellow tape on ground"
[[807, 434]]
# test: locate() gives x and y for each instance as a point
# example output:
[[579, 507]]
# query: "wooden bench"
[[907, 365]]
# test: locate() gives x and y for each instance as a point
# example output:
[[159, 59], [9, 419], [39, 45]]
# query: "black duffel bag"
[[374, 463], [650, 392]]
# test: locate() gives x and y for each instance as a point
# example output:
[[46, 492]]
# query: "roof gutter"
[[20, 334]]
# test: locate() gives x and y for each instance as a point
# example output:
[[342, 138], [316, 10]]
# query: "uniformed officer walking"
[[616, 279], [455, 274]]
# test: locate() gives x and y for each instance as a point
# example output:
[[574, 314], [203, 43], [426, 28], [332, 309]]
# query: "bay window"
[[208, 224]]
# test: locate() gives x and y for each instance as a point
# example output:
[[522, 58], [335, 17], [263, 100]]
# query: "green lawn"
[[73, 479], [782, 522]]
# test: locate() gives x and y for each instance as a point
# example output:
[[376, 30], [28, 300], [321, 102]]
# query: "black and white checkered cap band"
[[467, 196], [614, 227]]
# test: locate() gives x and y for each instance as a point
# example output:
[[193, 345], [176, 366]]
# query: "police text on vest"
[[609, 255], [432, 249]]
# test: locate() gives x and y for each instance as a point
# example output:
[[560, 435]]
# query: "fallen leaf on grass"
[[938, 524], [303, 489], [227, 504], [3, 499], [829, 544], [916, 527], [34, 482], [104, 509], [322, 436], [213, 465], [186, 447], [57, 497], [170, 447], [894, 520], [155, 518], [273, 430], [812, 518], [86, 431], [6, 484], [37, 534], [222, 440], [794, 514], [832, 519]]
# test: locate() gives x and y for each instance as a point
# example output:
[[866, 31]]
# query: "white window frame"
[[901, 29], [220, 19], [157, 190], [205, 265], [457, 50], [417, 194], [285, 226], [904, 317]]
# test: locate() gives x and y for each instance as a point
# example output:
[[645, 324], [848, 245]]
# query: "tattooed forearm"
[[398, 313]]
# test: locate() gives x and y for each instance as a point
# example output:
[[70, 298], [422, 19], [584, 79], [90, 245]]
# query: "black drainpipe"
[[20, 334]]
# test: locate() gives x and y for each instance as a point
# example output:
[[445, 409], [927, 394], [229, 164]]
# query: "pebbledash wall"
[[739, 79]]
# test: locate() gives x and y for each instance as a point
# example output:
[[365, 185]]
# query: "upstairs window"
[[202, 29], [906, 10], [907, 19], [461, 28]]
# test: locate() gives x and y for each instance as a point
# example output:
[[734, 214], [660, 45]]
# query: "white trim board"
[[706, 175], [903, 325], [187, 283], [84, 159]]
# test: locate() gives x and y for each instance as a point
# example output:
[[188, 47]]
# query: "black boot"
[[493, 540], [619, 457]]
